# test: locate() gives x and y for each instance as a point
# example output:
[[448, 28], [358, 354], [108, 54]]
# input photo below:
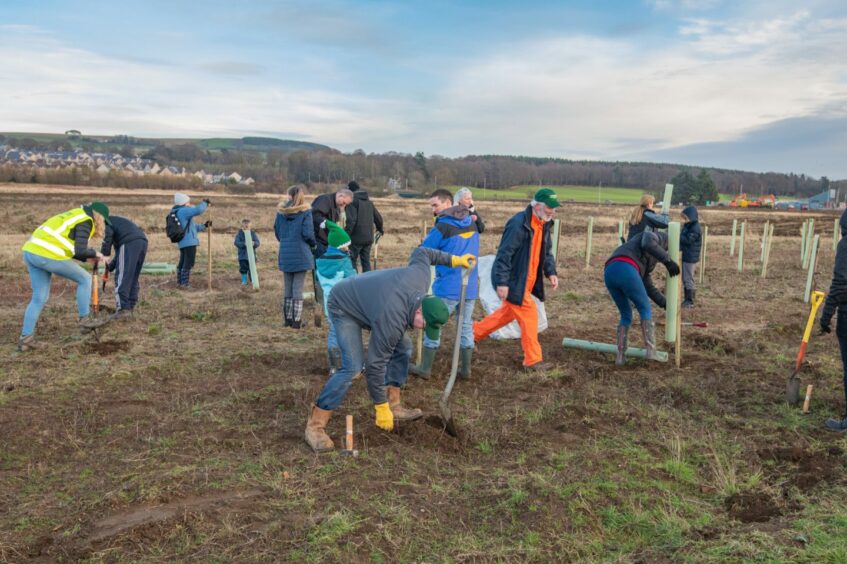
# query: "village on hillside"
[[105, 164]]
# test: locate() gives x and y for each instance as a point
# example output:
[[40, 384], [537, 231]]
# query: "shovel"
[[443, 403], [792, 388]]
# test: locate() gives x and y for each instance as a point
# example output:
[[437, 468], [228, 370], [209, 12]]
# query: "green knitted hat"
[[435, 314], [336, 236]]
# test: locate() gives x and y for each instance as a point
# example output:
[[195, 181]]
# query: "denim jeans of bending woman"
[[625, 285], [41, 271]]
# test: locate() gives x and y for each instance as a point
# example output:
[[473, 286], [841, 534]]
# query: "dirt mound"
[[105, 348], [805, 469], [751, 507]]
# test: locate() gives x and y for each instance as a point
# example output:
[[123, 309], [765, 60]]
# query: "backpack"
[[173, 228]]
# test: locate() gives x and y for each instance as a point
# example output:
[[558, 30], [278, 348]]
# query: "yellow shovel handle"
[[817, 300]]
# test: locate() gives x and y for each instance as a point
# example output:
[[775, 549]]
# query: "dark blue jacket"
[[837, 295], [119, 233], [511, 264], [241, 244], [296, 235], [455, 233], [646, 249], [650, 221], [690, 238]]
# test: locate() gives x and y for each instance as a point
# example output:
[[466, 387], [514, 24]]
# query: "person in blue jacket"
[[457, 233], [296, 235], [690, 240], [241, 244], [332, 267], [186, 213]]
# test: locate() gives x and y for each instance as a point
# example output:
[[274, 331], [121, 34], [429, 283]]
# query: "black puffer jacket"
[[121, 232], [650, 221], [646, 249], [362, 217], [837, 295], [324, 207], [690, 238]]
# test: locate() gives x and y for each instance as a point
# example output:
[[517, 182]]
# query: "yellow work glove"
[[463, 261], [384, 417]]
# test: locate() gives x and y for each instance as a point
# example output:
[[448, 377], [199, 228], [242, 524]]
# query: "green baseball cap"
[[102, 209], [547, 197], [435, 314]]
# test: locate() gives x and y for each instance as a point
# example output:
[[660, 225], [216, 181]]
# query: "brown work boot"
[[539, 367], [26, 344], [400, 412], [316, 430]]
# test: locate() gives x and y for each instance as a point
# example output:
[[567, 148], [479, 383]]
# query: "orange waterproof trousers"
[[526, 315]]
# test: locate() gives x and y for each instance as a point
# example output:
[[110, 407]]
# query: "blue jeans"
[[467, 324], [349, 335], [331, 338], [625, 285], [41, 270]]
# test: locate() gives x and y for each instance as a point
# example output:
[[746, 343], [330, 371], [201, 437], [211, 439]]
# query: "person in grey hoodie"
[[402, 303]]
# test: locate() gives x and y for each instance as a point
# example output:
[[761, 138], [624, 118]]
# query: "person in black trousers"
[[835, 299], [362, 218], [130, 245]]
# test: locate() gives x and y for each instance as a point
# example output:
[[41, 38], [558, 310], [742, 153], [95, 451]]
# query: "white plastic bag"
[[491, 302]]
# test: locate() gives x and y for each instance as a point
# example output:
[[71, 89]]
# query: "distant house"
[[248, 181], [235, 177], [103, 170]]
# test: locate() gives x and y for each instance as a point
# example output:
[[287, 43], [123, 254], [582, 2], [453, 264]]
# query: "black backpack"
[[173, 228]]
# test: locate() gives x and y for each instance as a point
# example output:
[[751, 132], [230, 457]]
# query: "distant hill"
[[142, 144]]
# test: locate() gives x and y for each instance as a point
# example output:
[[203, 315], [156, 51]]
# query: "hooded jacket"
[[333, 267], [456, 233], [295, 232], [385, 302], [362, 217], [690, 236], [837, 294], [650, 221], [324, 207], [185, 215], [119, 233], [646, 249], [241, 243], [512, 261]]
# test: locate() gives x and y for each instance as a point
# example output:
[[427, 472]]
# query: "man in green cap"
[[524, 258], [388, 303]]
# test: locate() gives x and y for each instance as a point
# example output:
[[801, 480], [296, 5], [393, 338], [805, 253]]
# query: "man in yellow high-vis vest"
[[50, 250]]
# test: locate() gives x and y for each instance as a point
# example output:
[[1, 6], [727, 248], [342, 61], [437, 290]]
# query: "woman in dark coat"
[[644, 218], [296, 235], [627, 277]]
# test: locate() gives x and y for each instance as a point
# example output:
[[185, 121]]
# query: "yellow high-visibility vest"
[[52, 238]]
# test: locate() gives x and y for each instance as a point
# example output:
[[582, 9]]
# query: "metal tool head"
[[792, 390]]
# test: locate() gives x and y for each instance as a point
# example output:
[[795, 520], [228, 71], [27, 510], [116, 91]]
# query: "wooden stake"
[[588, 242], [703, 253], [808, 401], [349, 436], [209, 247]]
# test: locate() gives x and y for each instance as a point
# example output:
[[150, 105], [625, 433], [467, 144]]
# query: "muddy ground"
[[179, 435]]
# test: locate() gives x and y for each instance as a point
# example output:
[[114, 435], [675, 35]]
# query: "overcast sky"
[[758, 85]]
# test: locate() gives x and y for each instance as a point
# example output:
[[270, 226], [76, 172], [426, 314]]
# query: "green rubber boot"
[[424, 369], [465, 366]]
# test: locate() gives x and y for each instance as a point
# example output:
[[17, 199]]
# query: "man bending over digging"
[[387, 302]]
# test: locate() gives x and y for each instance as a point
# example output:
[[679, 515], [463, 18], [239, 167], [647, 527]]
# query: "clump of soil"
[[105, 348], [751, 507], [805, 469]]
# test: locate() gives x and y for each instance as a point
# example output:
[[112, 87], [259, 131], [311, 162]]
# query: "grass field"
[[179, 436], [583, 194]]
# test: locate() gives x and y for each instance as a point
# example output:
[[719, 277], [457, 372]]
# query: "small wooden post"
[[732, 240], [704, 253], [836, 232], [810, 236], [741, 247], [808, 401], [767, 253], [209, 247], [813, 257], [251, 258], [349, 437], [588, 242]]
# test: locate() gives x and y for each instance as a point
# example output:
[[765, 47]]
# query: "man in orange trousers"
[[524, 258]]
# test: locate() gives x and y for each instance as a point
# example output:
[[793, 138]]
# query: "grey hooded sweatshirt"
[[385, 301]]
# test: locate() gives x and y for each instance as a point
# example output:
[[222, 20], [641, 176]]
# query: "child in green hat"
[[333, 267]]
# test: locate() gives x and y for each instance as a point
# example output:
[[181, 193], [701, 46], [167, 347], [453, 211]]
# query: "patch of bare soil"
[[105, 348], [805, 469], [144, 515], [751, 507]]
